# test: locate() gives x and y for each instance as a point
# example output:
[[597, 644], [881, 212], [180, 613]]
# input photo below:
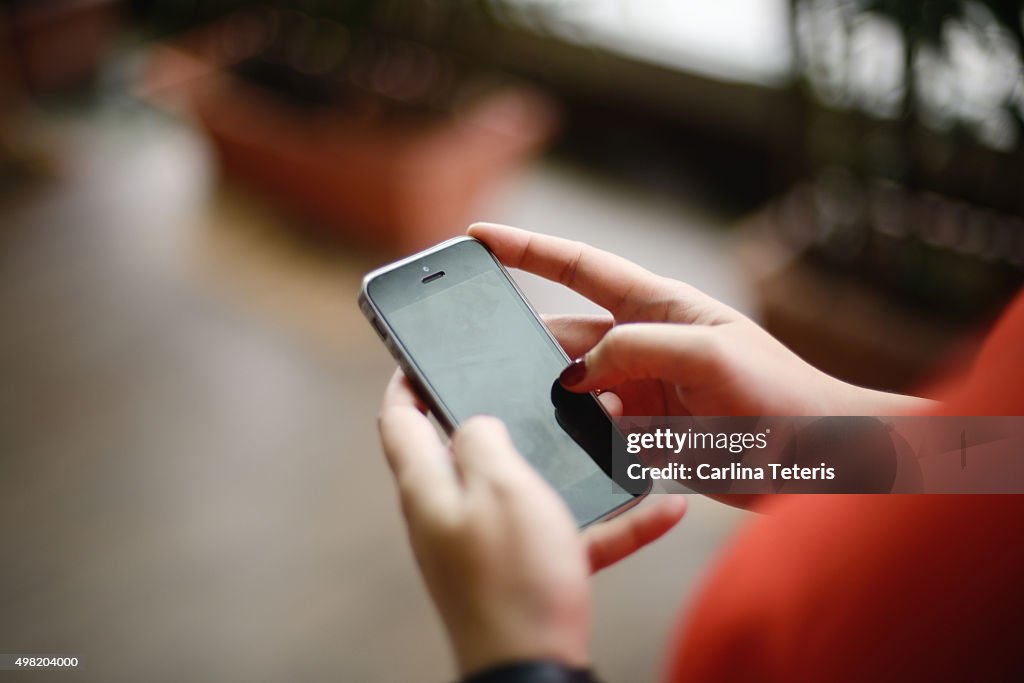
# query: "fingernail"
[[573, 374]]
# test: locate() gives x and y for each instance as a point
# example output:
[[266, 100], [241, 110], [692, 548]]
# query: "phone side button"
[[379, 328]]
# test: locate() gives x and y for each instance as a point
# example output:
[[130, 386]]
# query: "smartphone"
[[470, 343]]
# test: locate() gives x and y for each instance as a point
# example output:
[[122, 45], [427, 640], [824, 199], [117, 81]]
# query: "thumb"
[[678, 354]]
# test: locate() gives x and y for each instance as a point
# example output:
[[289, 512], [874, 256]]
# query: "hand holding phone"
[[496, 545], [671, 349]]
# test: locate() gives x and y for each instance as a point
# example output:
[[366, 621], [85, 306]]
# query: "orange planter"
[[59, 44], [393, 186]]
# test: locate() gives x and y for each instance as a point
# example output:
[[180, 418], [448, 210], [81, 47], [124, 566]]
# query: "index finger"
[[610, 281]]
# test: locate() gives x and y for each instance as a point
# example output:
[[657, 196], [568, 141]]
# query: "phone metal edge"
[[394, 344]]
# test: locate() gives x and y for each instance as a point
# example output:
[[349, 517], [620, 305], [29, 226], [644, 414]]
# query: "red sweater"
[[875, 588]]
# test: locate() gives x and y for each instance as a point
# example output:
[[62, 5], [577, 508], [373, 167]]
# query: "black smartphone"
[[471, 344]]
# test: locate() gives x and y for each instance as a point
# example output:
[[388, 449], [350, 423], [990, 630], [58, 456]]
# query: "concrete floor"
[[190, 482]]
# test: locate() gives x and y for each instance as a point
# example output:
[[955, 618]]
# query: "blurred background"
[[190, 193]]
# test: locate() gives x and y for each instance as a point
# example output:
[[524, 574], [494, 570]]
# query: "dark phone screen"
[[483, 351]]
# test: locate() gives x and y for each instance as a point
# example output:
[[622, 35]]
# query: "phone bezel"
[[377, 319]]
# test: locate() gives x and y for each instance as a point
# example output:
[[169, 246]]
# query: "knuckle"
[[619, 342], [706, 343], [505, 488], [568, 274], [617, 338], [482, 423], [707, 348], [434, 524], [479, 426], [608, 354]]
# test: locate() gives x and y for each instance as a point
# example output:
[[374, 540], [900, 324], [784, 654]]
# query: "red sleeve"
[[869, 588], [995, 384]]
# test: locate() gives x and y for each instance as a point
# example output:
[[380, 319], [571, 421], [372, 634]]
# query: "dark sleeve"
[[532, 672]]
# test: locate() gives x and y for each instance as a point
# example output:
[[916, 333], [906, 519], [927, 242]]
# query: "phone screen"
[[482, 351]]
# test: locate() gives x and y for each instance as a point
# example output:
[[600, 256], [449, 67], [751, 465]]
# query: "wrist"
[[854, 400], [478, 654], [563, 640]]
